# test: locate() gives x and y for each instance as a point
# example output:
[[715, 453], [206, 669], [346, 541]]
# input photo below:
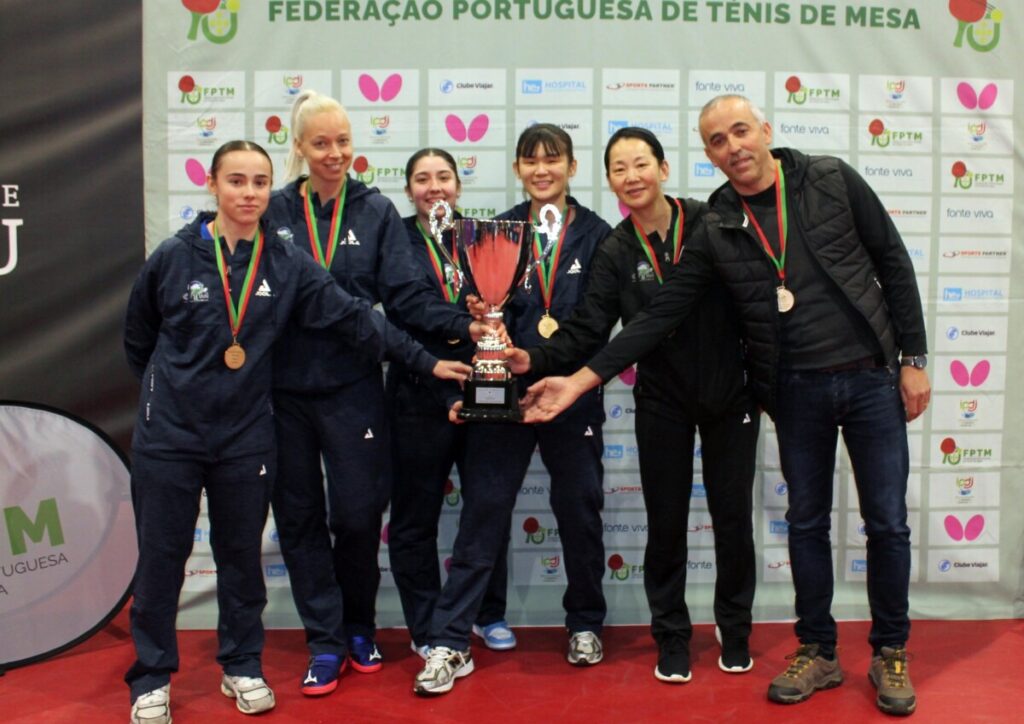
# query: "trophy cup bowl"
[[494, 257]]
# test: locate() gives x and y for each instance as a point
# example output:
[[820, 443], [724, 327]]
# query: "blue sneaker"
[[498, 636], [322, 675], [365, 655], [422, 651]]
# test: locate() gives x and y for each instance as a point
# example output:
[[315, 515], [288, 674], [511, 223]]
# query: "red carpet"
[[964, 672]]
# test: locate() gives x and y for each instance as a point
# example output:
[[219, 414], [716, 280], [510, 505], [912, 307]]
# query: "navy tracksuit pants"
[[497, 457], [334, 583], [165, 496], [426, 446], [728, 454]]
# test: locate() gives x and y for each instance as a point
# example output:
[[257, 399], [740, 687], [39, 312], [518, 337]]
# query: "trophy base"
[[489, 401]]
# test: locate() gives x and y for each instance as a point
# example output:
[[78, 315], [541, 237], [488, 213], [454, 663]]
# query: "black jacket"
[[176, 331], [694, 373], [848, 233]]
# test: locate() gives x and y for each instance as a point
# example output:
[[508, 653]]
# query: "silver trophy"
[[494, 257]]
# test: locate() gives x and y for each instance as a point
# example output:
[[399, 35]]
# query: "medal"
[[547, 326], [324, 257], [445, 274], [783, 296], [234, 356], [785, 299]]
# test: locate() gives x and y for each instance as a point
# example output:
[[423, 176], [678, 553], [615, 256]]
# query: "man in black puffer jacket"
[[835, 339]]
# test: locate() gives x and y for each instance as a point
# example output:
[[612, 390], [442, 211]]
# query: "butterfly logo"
[[385, 92], [459, 132], [971, 99], [958, 532], [975, 377]]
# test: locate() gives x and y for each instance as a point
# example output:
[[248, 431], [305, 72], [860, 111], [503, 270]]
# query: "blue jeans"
[[866, 405]]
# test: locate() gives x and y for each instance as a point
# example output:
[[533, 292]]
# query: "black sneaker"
[[673, 667]]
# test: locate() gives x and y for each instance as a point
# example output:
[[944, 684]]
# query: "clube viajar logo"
[[217, 20], [978, 24]]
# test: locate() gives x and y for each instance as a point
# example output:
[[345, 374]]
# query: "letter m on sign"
[[20, 526]]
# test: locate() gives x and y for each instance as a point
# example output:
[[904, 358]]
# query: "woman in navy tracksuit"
[[498, 455], [329, 396], [200, 325], [426, 445], [693, 381]]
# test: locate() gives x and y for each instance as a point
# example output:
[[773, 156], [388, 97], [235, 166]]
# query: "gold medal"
[[234, 356], [547, 326], [785, 299]]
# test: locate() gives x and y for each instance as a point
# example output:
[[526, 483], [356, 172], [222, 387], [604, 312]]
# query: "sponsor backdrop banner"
[[923, 98]]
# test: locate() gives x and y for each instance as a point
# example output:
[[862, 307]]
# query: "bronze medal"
[[785, 299], [234, 356], [547, 326]]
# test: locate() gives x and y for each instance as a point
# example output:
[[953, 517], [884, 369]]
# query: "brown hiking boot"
[[889, 674], [807, 673]]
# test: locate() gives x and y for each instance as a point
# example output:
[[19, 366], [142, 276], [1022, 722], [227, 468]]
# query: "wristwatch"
[[918, 361]]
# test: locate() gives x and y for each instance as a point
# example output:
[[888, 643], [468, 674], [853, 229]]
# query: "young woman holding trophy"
[[202, 318], [425, 444], [693, 382], [498, 454], [329, 396]]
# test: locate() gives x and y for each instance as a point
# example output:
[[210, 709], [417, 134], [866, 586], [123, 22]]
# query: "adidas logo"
[[368, 435], [351, 239], [263, 470], [576, 267], [589, 432], [746, 419], [264, 290]]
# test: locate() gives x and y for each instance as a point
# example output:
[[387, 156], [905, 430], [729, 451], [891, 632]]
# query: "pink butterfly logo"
[[974, 378], [385, 92], [195, 171], [970, 99], [628, 376], [957, 531], [458, 131]]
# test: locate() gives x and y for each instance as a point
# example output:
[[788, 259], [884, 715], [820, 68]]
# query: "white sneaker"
[[444, 666], [153, 707], [422, 651], [498, 636], [585, 649], [251, 694]]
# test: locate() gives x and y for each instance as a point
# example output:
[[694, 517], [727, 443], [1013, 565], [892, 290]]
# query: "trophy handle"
[[551, 230], [440, 223]]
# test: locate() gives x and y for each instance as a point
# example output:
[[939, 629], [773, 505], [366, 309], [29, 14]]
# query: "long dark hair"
[[554, 140], [430, 151]]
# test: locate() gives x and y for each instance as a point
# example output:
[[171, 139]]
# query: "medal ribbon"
[[782, 218], [324, 259], [677, 241], [546, 276], [446, 287], [236, 315]]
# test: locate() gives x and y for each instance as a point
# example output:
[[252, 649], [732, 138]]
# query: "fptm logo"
[[964, 179], [277, 132], [978, 23], [883, 137], [534, 533], [218, 19], [192, 93], [799, 94], [619, 570], [953, 454], [452, 495]]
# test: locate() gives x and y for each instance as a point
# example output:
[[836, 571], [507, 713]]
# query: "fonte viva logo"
[[218, 19], [277, 132], [193, 93], [964, 179], [977, 23], [882, 136], [799, 94], [292, 84], [20, 526], [953, 454]]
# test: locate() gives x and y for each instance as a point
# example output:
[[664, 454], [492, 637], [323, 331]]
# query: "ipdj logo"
[[206, 126], [216, 18], [959, 531], [467, 165], [965, 486], [895, 89], [386, 91], [977, 22], [277, 132], [292, 84], [971, 99], [975, 377], [379, 125], [551, 565], [460, 133]]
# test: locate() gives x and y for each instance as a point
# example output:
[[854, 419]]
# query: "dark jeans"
[[497, 457], [334, 584], [728, 452], [165, 496], [425, 449], [865, 404]]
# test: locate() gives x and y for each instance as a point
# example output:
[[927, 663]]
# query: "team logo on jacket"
[[197, 292], [576, 267], [285, 233], [351, 239], [644, 272], [264, 290]]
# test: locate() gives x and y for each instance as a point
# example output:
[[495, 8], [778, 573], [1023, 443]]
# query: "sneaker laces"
[[438, 657], [895, 663], [585, 642], [800, 660]]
